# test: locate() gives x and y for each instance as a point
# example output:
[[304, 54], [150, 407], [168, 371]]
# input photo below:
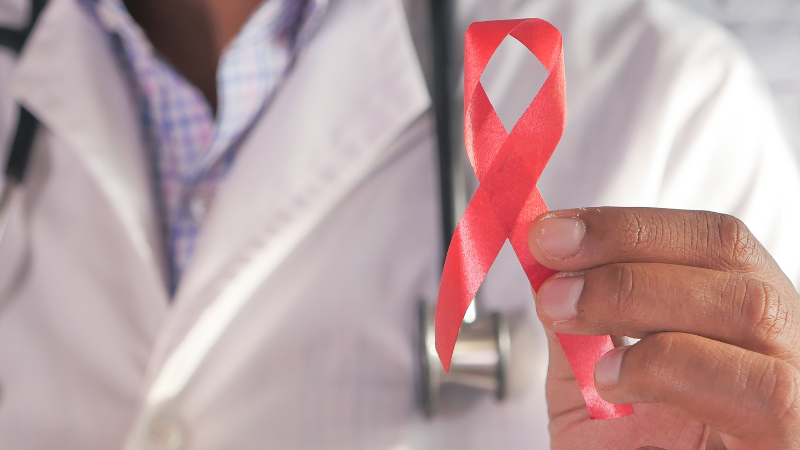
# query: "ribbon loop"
[[508, 166]]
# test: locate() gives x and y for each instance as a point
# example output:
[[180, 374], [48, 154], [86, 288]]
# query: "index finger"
[[579, 239]]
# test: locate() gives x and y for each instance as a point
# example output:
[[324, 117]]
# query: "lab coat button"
[[165, 433]]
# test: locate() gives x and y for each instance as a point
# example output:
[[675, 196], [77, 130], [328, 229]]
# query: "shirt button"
[[197, 208], [165, 433]]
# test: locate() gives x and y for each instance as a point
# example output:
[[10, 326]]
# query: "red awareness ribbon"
[[508, 166]]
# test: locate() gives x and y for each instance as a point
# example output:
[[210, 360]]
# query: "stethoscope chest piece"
[[480, 358]]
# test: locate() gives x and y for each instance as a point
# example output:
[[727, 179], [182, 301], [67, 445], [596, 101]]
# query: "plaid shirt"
[[191, 150]]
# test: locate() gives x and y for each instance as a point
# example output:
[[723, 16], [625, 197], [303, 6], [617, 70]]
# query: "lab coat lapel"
[[352, 91], [68, 77]]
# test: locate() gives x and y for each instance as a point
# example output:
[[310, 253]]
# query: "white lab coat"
[[294, 328]]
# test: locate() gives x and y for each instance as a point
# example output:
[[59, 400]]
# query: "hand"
[[719, 354]]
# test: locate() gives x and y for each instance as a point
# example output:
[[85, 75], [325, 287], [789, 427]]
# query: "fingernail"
[[606, 370], [558, 297], [560, 237]]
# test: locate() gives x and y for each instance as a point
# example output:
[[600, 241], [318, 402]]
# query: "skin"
[[192, 34], [718, 363]]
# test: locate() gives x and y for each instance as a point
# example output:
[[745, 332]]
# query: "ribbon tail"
[[582, 353], [476, 242]]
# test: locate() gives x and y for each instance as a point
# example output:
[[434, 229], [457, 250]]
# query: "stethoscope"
[[481, 356], [20, 151], [482, 353]]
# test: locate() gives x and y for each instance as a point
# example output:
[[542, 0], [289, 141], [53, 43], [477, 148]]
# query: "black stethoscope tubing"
[[22, 144], [443, 79], [19, 153]]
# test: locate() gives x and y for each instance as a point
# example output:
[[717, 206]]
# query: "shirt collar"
[[274, 24]]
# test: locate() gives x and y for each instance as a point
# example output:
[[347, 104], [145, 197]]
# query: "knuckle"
[[766, 316], [660, 352], [623, 282], [654, 362], [736, 246], [636, 231], [780, 389]]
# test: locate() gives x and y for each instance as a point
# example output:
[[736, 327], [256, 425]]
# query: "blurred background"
[[770, 31]]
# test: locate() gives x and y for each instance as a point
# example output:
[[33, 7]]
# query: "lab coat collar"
[[354, 89], [68, 78], [352, 92]]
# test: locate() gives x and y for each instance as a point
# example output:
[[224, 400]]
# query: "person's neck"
[[191, 34]]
